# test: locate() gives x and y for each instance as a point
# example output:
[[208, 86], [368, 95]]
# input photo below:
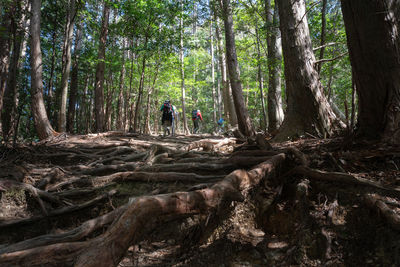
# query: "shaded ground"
[[298, 216]]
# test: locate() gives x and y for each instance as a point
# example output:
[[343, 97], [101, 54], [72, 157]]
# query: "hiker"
[[196, 116], [220, 123], [167, 117]]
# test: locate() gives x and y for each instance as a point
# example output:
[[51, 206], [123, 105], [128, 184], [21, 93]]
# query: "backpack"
[[194, 114], [167, 108]]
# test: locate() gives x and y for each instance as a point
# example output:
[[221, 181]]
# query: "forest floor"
[[308, 202]]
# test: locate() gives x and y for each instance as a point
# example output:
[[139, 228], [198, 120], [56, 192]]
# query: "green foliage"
[[150, 29]]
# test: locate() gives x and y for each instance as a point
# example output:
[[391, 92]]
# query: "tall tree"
[[275, 111], [229, 108], [74, 81], [42, 124], [121, 101], [66, 64], [99, 84], [323, 34], [308, 110], [182, 68], [9, 110], [5, 44], [244, 122], [373, 40]]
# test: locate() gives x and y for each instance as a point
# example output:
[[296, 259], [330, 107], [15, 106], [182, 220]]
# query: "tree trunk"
[[182, 67], [42, 124], [66, 64], [323, 33], [261, 80], [74, 82], [275, 111], [229, 109], [5, 44], [373, 41], [121, 101], [308, 110], [49, 97], [147, 129], [140, 94], [215, 99], [244, 122], [99, 90], [9, 111]]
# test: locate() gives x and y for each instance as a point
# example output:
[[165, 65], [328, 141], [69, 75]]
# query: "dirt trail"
[[128, 200]]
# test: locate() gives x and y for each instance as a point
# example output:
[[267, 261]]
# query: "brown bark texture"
[[373, 41], [275, 110], [244, 122], [99, 84], [308, 110], [42, 124]]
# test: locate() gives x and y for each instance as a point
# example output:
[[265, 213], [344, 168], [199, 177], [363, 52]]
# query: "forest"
[[203, 132]]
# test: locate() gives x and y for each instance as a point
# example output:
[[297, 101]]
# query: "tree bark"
[[373, 42], [121, 100], [5, 44], [215, 99], [261, 80], [140, 94], [275, 111], [99, 90], [308, 110], [9, 111], [74, 82], [66, 64], [182, 67], [229, 109], [42, 124], [323, 33], [244, 122]]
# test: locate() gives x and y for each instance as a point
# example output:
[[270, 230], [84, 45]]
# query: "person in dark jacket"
[[196, 118], [167, 119]]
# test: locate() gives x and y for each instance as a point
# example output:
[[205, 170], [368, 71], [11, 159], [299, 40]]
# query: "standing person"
[[196, 116], [176, 119], [220, 123], [167, 119]]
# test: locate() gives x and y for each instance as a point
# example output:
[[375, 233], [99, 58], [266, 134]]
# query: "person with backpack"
[[196, 116], [167, 119], [221, 123]]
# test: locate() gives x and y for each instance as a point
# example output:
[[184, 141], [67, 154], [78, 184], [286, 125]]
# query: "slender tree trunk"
[[308, 110], [9, 111], [275, 111], [66, 65], [149, 95], [182, 67], [373, 40], [74, 82], [215, 99], [42, 124], [50, 96], [5, 46], [323, 33], [244, 122], [139, 96], [261, 80], [109, 98], [121, 101], [229, 108], [99, 90]]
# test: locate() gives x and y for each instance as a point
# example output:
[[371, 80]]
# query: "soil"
[[288, 220]]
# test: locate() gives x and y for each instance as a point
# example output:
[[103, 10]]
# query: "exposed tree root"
[[109, 248], [375, 203], [341, 178], [58, 212]]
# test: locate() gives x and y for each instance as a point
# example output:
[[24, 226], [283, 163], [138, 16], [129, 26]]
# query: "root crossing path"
[[118, 199]]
